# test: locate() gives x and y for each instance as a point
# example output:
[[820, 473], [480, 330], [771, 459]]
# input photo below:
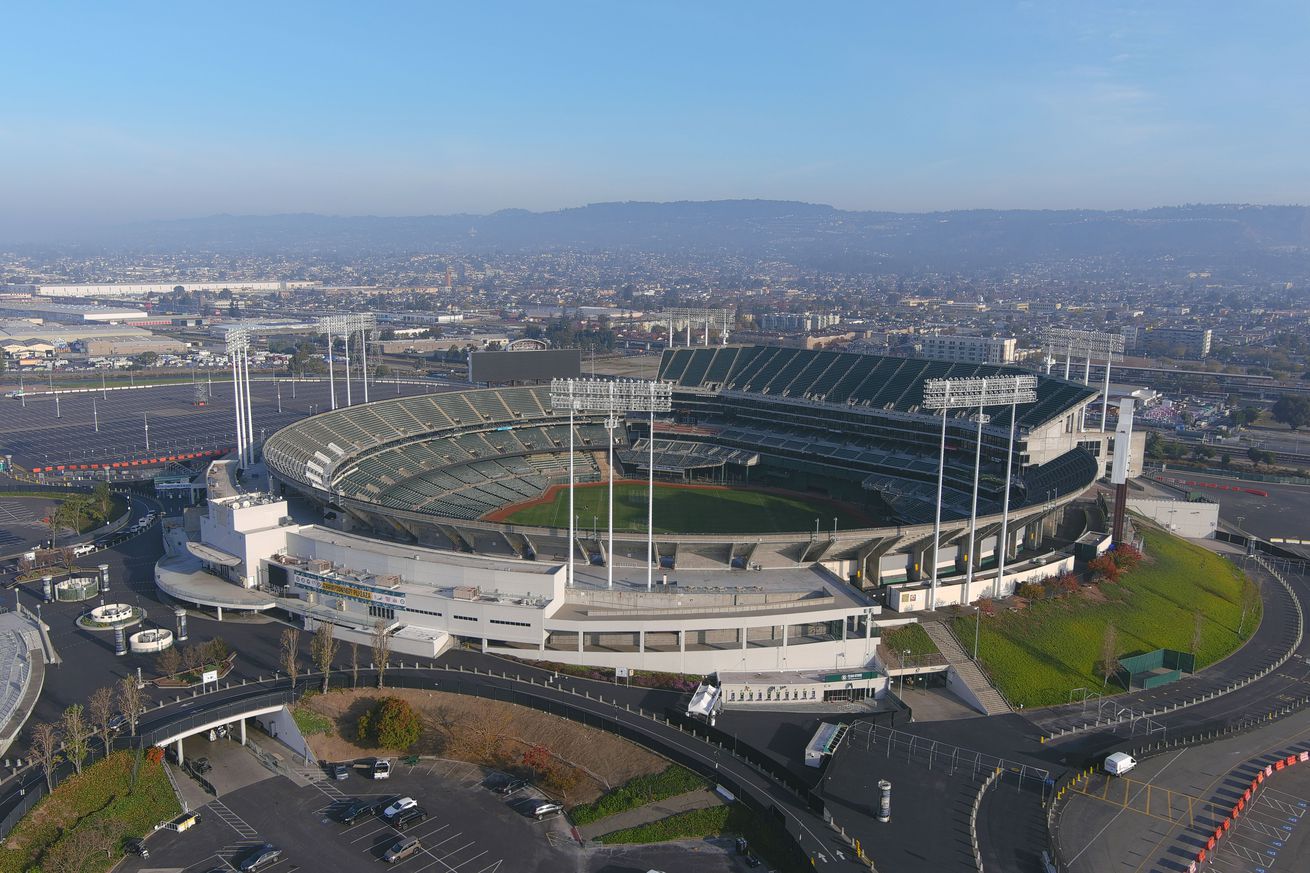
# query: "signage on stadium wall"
[[851, 677], [353, 591]]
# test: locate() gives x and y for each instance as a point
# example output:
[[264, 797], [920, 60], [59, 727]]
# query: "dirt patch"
[[491, 733]]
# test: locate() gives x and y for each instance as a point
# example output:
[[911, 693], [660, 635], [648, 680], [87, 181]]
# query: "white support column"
[[1087, 380], [363, 364], [332, 368], [937, 517], [179, 753], [243, 731], [1005, 507], [347, 352], [650, 497], [973, 512], [573, 534], [1105, 395], [1068, 359], [240, 413], [610, 424], [220, 612], [250, 413]]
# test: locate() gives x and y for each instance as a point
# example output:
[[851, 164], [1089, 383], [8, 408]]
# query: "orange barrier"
[[1240, 807]]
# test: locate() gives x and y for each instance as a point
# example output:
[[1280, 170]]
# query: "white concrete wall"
[[1192, 520]]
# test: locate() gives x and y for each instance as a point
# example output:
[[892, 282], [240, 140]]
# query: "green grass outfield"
[[687, 510], [1041, 653]]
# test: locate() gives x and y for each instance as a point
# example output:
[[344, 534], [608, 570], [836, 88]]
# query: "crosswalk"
[[232, 820]]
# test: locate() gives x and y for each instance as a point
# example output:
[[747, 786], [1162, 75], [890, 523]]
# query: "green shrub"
[[390, 724], [640, 791]]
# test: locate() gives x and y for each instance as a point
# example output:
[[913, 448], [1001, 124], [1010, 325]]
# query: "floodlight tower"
[[238, 343], [976, 394], [331, 325], [612, 398], [1090, 345]]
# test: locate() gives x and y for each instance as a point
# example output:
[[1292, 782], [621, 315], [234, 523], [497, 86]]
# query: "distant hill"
[[808, 234]]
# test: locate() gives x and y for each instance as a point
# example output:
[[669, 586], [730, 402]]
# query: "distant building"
[[797, 322], [70, 313], [135, 290], [1194, 341], [969, 349]]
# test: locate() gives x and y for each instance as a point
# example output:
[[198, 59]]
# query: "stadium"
[[794, 519], [827, 437]]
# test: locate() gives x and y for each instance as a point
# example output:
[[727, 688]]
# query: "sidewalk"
[[660, 809]]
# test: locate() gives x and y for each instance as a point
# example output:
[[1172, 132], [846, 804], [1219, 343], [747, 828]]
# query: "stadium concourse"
[[405, 488]]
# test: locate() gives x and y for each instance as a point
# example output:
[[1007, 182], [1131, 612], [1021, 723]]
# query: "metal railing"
[[973, 818]]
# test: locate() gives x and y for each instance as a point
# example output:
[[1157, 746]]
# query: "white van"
[[1119, 763]]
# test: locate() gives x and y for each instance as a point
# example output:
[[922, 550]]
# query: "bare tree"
[[1109, 653], [100, 709], [323, 648], [45, 749], [131, 701], [77, 732], [354, 665], [168, 662], [381, 648], [192, 658], [291, 654]]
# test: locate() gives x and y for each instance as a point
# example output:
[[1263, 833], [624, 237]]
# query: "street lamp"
[[977, 629], [905, 656]]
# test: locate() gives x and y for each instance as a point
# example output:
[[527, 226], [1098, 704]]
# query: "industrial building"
[[969, 349]]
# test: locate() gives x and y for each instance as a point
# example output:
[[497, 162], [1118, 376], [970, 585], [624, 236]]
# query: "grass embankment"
[[638, 792], [311, 723], [88, 817], [734, 820], [911, 637], [688, 510], [1037, 655]]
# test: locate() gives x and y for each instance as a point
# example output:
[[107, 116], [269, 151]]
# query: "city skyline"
[[131, 113]]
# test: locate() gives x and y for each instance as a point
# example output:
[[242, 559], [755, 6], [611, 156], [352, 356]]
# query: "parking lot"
[[95, 427], [469, 828], [21, 525]]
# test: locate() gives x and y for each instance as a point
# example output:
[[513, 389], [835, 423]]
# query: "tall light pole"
[[970, 393], [238, 345], [612, 398]]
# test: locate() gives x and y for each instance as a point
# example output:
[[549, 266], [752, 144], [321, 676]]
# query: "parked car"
[[381, 769], [398, 806], [407, 817], [401, 849], [357, 809], [505, 789], [339, 771], [543, 808], [259, 856]]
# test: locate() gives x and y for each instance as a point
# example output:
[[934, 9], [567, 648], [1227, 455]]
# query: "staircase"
[[989, 699]]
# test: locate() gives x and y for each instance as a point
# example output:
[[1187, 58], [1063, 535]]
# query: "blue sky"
[[119, 111]]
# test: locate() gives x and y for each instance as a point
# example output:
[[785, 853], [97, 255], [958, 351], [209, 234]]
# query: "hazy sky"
[[119, 111]]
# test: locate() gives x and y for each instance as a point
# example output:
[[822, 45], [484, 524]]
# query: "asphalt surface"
[[21, 524], [33, 434], [1281, 514], [1158, 815]]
